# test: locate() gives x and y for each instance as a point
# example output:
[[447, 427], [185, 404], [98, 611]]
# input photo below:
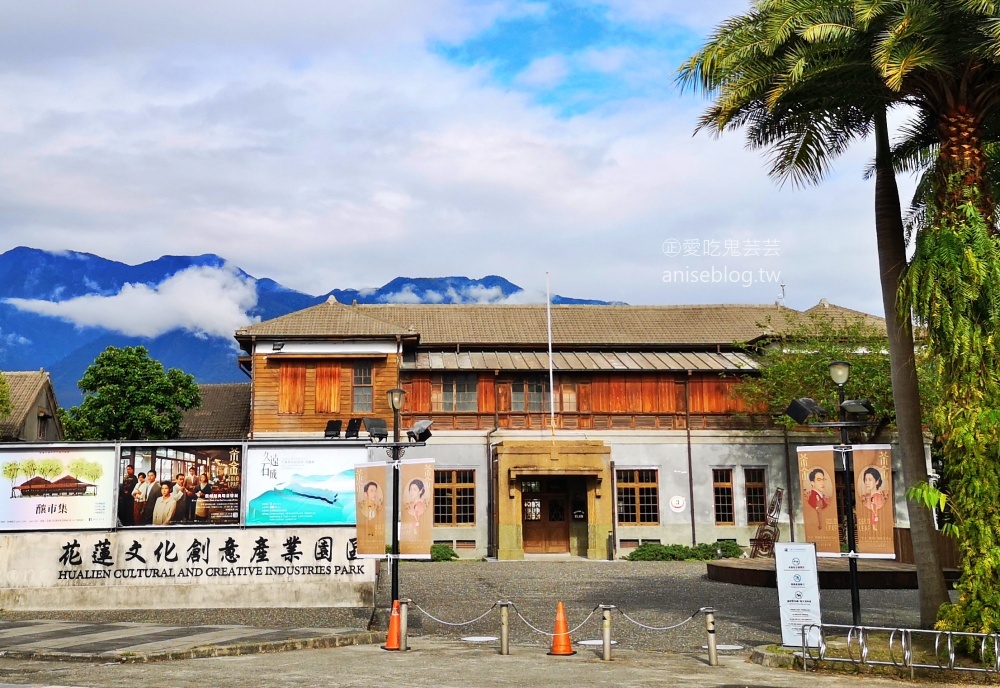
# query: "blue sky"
[[335, 145]]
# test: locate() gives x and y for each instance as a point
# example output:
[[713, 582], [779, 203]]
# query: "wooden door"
[[545, 523]]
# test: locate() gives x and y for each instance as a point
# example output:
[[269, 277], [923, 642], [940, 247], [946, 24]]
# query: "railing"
[[984, 658]]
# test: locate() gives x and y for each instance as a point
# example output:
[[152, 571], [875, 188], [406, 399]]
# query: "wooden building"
[[638, 437], [33, 416]]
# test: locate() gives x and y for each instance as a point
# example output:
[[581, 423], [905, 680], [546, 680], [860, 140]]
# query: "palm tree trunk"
[[906, 396]]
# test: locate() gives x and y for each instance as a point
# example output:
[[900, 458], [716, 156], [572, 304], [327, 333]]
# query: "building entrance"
[[545, 516]]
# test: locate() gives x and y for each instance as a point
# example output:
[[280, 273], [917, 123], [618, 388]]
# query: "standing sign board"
[[798, 591]]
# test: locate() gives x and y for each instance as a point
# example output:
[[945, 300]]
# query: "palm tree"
[[794, 75]]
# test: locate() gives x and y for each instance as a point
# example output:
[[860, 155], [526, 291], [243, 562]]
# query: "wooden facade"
[[301, 394], [591, 401]]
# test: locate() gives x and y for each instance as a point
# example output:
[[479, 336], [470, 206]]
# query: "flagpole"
[[552, 387]]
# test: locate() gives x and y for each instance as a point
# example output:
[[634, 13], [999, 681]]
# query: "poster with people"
[[180, 485], [819, 500], [302, 485], [416, 478], [56, 488], [370, 480], [874, 499]]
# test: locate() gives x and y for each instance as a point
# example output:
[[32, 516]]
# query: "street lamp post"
[[840, 371], [396, 399]]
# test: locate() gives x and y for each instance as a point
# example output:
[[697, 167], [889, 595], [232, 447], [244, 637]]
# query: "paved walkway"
[[140, 642], [653, 594]]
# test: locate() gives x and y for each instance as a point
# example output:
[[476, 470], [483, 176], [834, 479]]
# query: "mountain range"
[[59, 310]]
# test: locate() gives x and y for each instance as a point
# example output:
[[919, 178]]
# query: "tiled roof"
[[580, 361], [329, 318], [578, 326], [24, 390], [224, 413]]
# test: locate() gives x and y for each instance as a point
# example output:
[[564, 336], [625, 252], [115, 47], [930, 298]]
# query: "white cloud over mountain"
[[206, 301]]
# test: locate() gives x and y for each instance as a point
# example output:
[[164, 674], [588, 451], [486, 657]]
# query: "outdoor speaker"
[[800, 410]]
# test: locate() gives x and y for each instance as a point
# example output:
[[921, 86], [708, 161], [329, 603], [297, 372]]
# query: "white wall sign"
[[798, 591], [677, 503], [216, 567]]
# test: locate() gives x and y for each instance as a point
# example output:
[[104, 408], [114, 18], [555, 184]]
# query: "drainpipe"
[[788, 484], [687, 425], [491, 535]]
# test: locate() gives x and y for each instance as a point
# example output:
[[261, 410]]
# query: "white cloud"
[[325, 146], [544, 72], [204, 300]]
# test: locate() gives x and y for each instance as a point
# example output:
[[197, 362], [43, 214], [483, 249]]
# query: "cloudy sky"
[[333, 145]]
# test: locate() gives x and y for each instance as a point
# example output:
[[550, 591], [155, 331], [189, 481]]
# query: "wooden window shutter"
[[327, 388], [292, 387]]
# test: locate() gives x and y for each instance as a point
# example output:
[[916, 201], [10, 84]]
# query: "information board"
[[798, 591]]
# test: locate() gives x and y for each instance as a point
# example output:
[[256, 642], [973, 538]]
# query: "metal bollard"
[[504, 627], [606, 630], [713, 653], [404, 604]]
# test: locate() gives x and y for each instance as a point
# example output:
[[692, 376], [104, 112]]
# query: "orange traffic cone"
[[392, 638], [561, 643]]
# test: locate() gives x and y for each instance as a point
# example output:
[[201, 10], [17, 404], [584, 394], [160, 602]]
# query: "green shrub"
[[442, 552], [652, 551]]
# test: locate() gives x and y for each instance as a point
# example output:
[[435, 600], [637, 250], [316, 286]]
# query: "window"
[[362, 384], [529, 395], [567, 395], [327, 388], [291, 387], [722, 485], [454, 498], [455, 393], [756, 494], [638, 497]]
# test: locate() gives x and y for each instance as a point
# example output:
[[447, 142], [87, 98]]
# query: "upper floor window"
[[362, 398], [529, 395], [567, 397], [455, 392], [291, 387]]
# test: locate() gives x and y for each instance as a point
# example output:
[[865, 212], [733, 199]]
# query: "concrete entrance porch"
[[553, 497]]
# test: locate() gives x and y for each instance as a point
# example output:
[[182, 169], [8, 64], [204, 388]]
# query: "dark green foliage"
[[129, 396], [442, 552], [4, 397], [953, 286], [652, 551]]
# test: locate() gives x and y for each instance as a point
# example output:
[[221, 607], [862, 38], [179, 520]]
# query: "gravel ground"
[[655, 594], [651, 593]]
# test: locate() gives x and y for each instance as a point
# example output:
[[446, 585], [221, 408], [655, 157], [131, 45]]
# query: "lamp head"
[[396, 398], [840, 371], [420, 432]]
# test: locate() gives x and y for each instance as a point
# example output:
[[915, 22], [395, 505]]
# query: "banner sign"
[[301, 485], [193, 485], [58, 488], [416, 478], [370, 480], [798, 592], [819, 501], [874, 499]]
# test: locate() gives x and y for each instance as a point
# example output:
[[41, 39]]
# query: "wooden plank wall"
[[624, 393], [266, 385]]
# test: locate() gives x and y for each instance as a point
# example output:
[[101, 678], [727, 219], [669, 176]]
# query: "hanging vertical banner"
[[370, 480], [874, 499], [417, 514], [819, 501]]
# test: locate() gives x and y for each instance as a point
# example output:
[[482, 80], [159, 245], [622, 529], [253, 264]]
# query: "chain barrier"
[[446, 623], [662, 628], [901, 648], [552, 635]]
